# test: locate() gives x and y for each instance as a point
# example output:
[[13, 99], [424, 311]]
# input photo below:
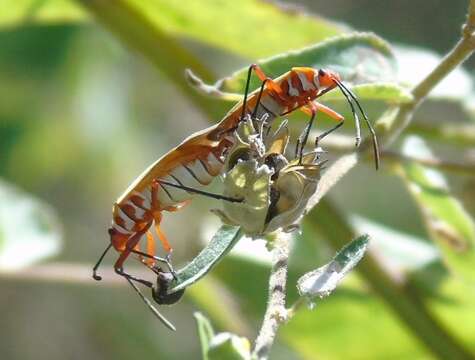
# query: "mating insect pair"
[[170, 183]]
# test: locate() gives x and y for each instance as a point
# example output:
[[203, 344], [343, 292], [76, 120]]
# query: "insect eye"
[[322, 73]]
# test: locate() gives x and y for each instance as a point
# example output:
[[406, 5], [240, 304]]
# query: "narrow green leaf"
[[357, 57], [205, 333], [447, 222], [29, 229], [221, 243], [322, 281], [229, 347]]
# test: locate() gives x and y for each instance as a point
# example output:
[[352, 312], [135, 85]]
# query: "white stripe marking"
[[128, 223], [214, 165], [292, 91], [185, 177], [120, 229], [200, 172], [147, 196], [316, 80], [305, 83], [176, 195]]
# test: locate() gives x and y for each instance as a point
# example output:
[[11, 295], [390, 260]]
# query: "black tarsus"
[[98, 263]]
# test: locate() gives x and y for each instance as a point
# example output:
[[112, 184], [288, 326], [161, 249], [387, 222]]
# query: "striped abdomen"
[[139, 209]]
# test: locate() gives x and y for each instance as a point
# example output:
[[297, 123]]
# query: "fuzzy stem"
[[275, 313]]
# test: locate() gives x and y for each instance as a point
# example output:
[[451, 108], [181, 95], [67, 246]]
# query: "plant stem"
[[399, 296], [461, 51], [432, 162], [276, 312]]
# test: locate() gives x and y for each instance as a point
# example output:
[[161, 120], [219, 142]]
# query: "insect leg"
[[166, 246], [271, 84], [147, 302], [200, 192], [302, 140], [325, 133], [131, 243], [334, 115], [98, 263]]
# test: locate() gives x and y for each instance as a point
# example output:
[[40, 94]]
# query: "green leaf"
[[447, 222], [322, 281], [20, 12], [357, 57], [251, 20], [29, 229], [221, 243], [246, 27], [205, 332], [388, 92], [227, 346]]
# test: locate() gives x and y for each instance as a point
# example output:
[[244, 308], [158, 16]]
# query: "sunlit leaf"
[[252, 20], [20, 12], [448, 223], [322, 281], [358, 57], [29, 229]]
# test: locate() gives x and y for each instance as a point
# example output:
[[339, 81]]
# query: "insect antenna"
[[200, 192], [353, 112], [98, 263], [246, 92], [349, 95], [147, 302]]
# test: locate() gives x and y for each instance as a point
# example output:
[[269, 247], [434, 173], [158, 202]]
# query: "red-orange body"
[[200, 157]]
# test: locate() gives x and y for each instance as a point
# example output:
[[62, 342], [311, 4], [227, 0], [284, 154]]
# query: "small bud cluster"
[[274, 189]]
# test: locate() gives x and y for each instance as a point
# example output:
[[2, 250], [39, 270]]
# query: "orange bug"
[[169, 183], [298, 89]]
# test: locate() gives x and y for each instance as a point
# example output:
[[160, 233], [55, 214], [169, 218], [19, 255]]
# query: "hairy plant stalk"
[[276, 312]]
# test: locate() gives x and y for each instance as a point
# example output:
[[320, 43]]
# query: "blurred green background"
[[89, 97]]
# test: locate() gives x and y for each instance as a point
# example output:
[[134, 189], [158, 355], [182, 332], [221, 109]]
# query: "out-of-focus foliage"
[[222, 345], [29, 229], [447, 221], [81, 117]]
